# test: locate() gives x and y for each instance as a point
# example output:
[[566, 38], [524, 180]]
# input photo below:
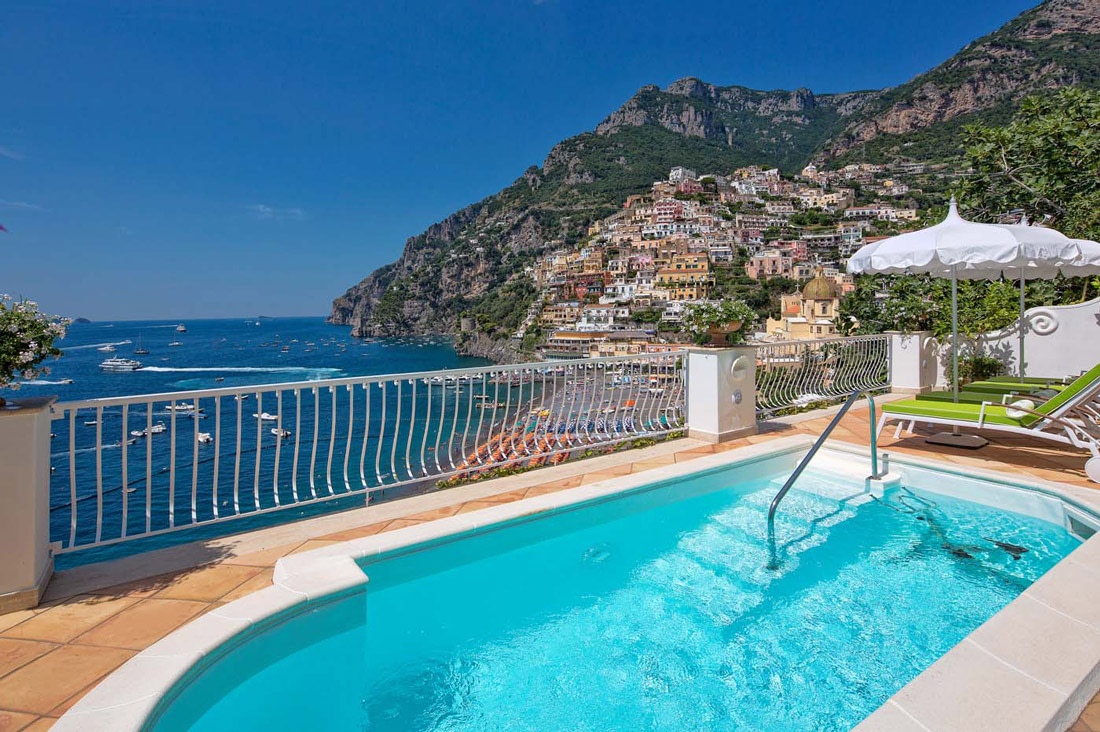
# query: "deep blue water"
[[230, 349], [211, 354]]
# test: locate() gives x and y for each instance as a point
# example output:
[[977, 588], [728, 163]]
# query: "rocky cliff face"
[[1053, 45], [496, 350], [472, 261]]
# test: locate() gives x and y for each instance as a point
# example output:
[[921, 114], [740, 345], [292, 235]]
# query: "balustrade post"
[[721, 401], [25, 500], [912, 363]]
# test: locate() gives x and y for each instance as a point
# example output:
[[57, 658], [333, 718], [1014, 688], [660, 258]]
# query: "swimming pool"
[[650, 608]]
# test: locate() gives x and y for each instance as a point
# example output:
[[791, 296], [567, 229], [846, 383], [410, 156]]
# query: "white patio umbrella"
[[959, 249]]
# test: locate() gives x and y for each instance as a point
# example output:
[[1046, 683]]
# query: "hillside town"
[[778, 242]]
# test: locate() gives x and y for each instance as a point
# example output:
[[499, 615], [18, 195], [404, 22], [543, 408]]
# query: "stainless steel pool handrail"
[[773, 562]]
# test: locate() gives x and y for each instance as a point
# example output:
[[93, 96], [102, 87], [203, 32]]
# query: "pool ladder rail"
[[773, 562]]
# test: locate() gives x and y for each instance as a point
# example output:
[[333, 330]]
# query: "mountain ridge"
[[472, 261]]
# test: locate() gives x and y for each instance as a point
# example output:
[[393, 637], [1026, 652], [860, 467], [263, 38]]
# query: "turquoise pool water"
[[653, 611]]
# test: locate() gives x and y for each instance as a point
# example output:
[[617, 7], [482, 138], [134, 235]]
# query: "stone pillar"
[[912, 362], [721, 386], [26, 562]]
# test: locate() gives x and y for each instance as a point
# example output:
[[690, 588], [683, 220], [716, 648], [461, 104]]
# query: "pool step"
[[721, 569]]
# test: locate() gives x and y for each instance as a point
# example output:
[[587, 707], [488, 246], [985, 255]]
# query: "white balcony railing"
[[796, 374], [131, 467]]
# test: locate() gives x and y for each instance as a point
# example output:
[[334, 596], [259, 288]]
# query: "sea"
[[228, 352], [208, 354]]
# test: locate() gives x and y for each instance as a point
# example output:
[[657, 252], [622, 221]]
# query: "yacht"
[[181, 328], [183, 407], [120, 364], [141, 350], [107, 348]]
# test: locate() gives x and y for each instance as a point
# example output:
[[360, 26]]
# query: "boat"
[[91, 423], [154, 430], [204, 438], [120, 364], [282, 434], [181, 328], [242, 397], [183, 407], [107, 348], [65, 381], [264, 416], [175, 343], [141, 350]]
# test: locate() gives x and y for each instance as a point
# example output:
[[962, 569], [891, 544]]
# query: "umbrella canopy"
[[959, 249], [970, 250]]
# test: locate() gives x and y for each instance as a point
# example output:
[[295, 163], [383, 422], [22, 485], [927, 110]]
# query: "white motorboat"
[[183, 407], [181, 328], [264, 416], [106, 349], [154, 430], [120, 364], [205, 438], [175, 343], [281, 434]]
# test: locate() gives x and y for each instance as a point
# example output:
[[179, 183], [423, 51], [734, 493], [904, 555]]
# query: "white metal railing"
[[794, 374], [138, 466]]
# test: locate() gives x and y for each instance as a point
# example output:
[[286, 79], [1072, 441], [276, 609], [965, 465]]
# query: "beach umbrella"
[[959, 249]]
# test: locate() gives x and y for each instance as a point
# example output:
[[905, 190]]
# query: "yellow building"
[[810, 313]]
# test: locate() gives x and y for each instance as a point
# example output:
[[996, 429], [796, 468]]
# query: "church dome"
[[820, 288]]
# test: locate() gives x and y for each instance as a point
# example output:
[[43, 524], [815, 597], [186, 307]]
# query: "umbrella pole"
[[1022, 324], [954, 438], [954, 336]]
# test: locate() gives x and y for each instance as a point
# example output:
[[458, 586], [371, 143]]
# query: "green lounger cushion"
[[976, 397], [1072, 390], [1028, 380], [1003, 387], [994, 413], [961, 412]]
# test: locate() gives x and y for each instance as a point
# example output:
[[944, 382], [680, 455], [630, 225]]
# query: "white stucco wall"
[[1059, 341]]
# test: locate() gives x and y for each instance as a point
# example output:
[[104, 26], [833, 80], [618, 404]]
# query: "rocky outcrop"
[[497, 351], [1042, 49]]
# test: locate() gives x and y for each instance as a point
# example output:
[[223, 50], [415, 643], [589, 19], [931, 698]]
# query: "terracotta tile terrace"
[[94, 618]]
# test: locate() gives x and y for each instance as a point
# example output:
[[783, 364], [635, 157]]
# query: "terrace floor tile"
[[208, 584], [15, 653], [42, 724], [143, 624], [63, 622], [264, 557], [14, 721], [52, 679]]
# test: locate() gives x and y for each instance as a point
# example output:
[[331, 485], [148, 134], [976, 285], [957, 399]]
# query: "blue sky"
[[205, 159]]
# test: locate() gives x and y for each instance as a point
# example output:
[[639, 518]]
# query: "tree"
[[1045, 162]]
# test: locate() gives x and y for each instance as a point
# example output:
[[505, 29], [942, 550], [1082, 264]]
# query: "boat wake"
[[98, 345], [243, 369], [45, 382]]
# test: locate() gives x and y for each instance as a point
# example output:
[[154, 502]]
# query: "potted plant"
[[26, 340], [721, 323]]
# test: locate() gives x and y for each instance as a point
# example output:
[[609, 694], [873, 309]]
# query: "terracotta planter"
[[719, 336]]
